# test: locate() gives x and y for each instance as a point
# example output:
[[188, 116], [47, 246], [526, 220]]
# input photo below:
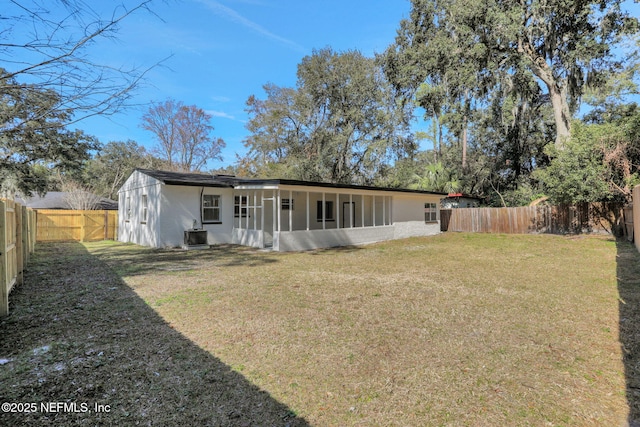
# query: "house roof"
[[330, 185], [60, 200], [189, 179], [229, 181]]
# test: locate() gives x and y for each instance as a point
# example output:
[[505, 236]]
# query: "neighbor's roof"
[[466, 196], [229, 181], [60, 200]]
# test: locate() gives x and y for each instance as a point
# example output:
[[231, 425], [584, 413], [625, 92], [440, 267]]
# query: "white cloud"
[[231, 15], [222, 114]]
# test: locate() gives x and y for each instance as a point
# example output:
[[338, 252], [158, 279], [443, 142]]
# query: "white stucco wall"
[[253, 238], [181, 206], [131, 225], [410, 206], [314, 239], [405, 229], [171, 210]]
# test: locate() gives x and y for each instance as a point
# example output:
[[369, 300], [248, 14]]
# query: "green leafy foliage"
[[465, 50], [34, 138], [340, 124], [599, 163], [114, 162], [435, 177]]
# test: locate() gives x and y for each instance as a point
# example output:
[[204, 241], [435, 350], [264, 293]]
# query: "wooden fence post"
[[33, 230], [83, 224], [17, 213], [106, 225], [26, 250], [4, 268]]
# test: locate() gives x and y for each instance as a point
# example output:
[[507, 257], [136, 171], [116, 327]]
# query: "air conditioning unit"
[[195, 237]]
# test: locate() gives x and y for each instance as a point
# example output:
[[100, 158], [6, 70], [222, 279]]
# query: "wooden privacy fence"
[[56, 225], [563, 219], [17, 243]]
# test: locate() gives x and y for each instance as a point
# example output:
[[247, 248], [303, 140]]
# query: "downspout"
[[201, 223]]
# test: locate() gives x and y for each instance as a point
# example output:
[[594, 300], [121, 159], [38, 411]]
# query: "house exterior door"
[[348, 215]]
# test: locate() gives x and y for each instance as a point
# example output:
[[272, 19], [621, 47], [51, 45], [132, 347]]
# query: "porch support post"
[[290, 210], [390, 210], [384, 210], [240, 210], [362, 210], [279, 211], [338, 210], [373, 208], [262, 214], [274, 218], [246, 215], [255, 210], [351, 217], [324, 213], [307, 211]]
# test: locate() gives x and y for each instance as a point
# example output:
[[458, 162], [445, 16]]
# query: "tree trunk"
[[542, 70], [464, 144], [561, 114], [465, 125]]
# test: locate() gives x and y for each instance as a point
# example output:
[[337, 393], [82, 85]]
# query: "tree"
[[561, 45], [46, 44], [599, 163], [340, 124], [183, 134], [435, 177], [79, 197], [111, 166], [40, 143]]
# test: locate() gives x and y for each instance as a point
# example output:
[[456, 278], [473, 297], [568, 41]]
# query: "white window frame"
[[240, 205], [288, 204], [145, 208], [328, 211], [430, 212], [127, 209], [216, 201]]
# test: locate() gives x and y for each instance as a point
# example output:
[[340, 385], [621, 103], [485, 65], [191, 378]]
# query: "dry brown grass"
[[457, 329]]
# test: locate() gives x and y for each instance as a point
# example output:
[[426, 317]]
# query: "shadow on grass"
[[336, 250], [134, 260], [628, 273], [78, 334]]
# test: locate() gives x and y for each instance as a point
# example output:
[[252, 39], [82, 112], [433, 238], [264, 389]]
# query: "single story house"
[[169, 209]]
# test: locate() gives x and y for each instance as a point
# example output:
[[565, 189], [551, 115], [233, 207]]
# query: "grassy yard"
[[457, 329]]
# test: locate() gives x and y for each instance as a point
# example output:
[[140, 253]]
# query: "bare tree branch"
[[46, 44]]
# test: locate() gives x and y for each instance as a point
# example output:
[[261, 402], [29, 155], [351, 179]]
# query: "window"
[[287, 204], [127, 209], [210, 208], [328, 209], [430, 212], [240, 205], [145, 208]]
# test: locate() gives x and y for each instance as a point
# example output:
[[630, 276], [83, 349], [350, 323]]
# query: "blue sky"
[[223, 51]]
